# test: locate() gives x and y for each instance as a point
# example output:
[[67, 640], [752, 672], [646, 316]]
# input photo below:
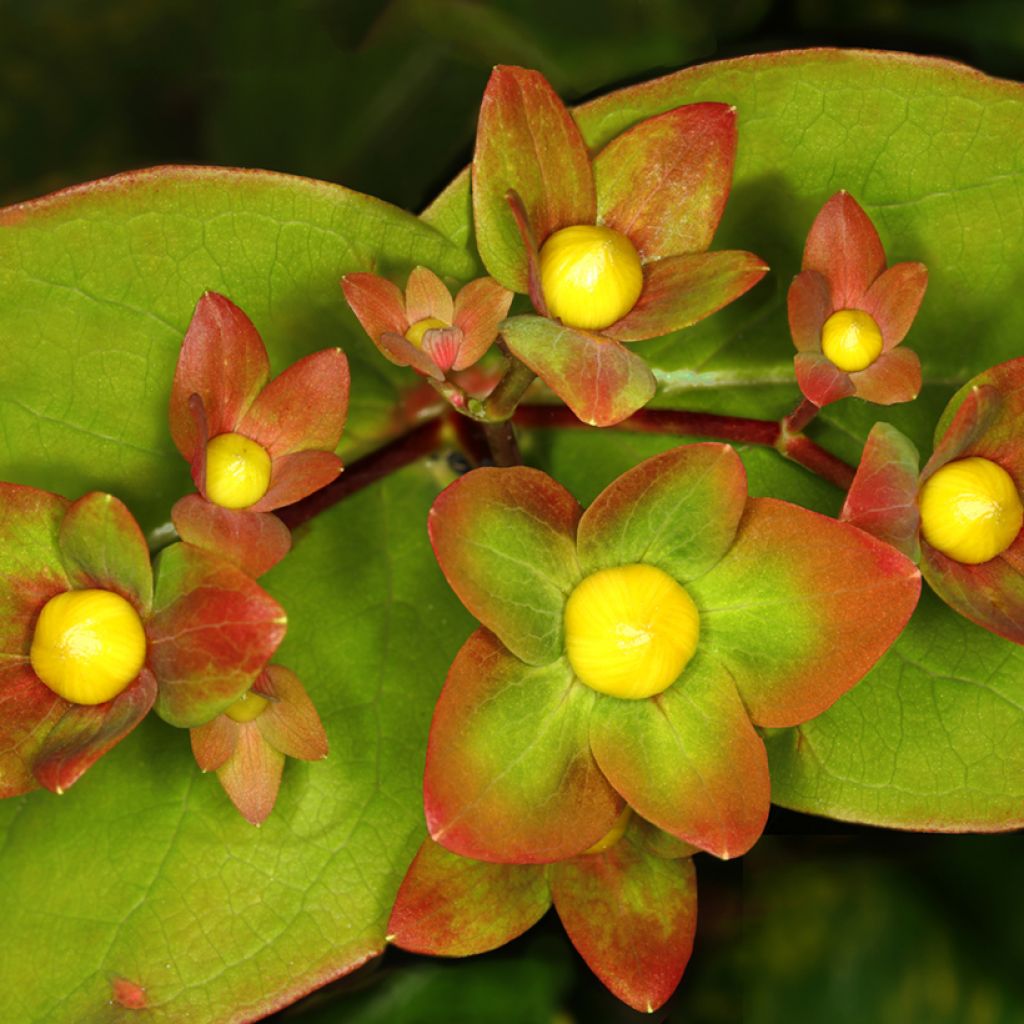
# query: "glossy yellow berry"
[[614, 834], [237, 471], [629, 631], [971, 510], [88, 645], [415, 333], [590, 276], [851, 340], [247, 708]]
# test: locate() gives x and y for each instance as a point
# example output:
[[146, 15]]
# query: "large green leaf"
[[97, 286], [144, 871]]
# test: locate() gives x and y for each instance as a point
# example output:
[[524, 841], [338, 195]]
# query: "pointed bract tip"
[[391, 937]]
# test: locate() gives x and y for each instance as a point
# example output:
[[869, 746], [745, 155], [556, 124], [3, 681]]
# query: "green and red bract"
[[662, 184], [630, 910], [526, 763], [844, 269], [248, 755], [452, 335], [222, 386], [208, 627], [985, 419]]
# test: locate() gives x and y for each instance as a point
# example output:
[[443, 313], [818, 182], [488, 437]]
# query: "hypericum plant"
[[89, 643], [628, 651]]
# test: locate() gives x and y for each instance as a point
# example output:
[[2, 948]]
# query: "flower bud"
[[971, 510], [247, 708], [237, 471], [88, 645], [415, 333], [614, 834], [851, 340], [590, 276], [630, 631]]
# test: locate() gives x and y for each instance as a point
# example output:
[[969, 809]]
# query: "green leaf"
[[144, 871], [932, 738], [97, 287]]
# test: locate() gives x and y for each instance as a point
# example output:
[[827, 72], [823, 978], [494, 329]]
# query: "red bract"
[[222, 386], [985, 420], [209, 630], [247, 750], [447, 336], [662, 184], [844, 269], [630, 910]]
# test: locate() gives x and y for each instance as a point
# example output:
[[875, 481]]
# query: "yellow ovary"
[[614, 834], [415, 333], [590, 276], [851, 340], [971, 510], [248, 707], [88, 645], [630, 631], [237, 471]]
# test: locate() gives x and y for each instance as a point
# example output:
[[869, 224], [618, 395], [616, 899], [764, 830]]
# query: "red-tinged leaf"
[[680, 290], [844, 246], [663, 183], [449, 905], [894, 299], [526, 236], [678, 511], [28, 710], [526, 140], [402, 352], [442, 344], [821, 381], [254, 541], [290, 722], [30, 563], [602, 382], [224, 361], [976, 408], [213, 629], [506, 542], [427, 297], [632, 917], [251, 776], [295, 476], [809, 303], [85, 733], [688, 760], [658, 842], [479, 307], [510, 777], [102, 546], [202, 437], [892, 378], [800, 608], [303, 408], [214, 742], [883, 498], [377, 303]]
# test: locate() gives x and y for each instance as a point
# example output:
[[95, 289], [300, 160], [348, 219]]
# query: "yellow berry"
[[88, 645], [851, 340], [971, 510], [237, 471], [630, 631], [614, 834], [248, 707], [590, 276], [415, 333]]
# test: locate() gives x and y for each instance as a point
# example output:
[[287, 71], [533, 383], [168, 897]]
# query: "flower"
[[961, 516], [425, 329], [246, 745], [454, 906], [534, 750], [611, 249], [88, 644], [847, 312], [253, 444]]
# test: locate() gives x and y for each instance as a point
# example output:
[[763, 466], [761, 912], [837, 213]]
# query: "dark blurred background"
[[821, 922]]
